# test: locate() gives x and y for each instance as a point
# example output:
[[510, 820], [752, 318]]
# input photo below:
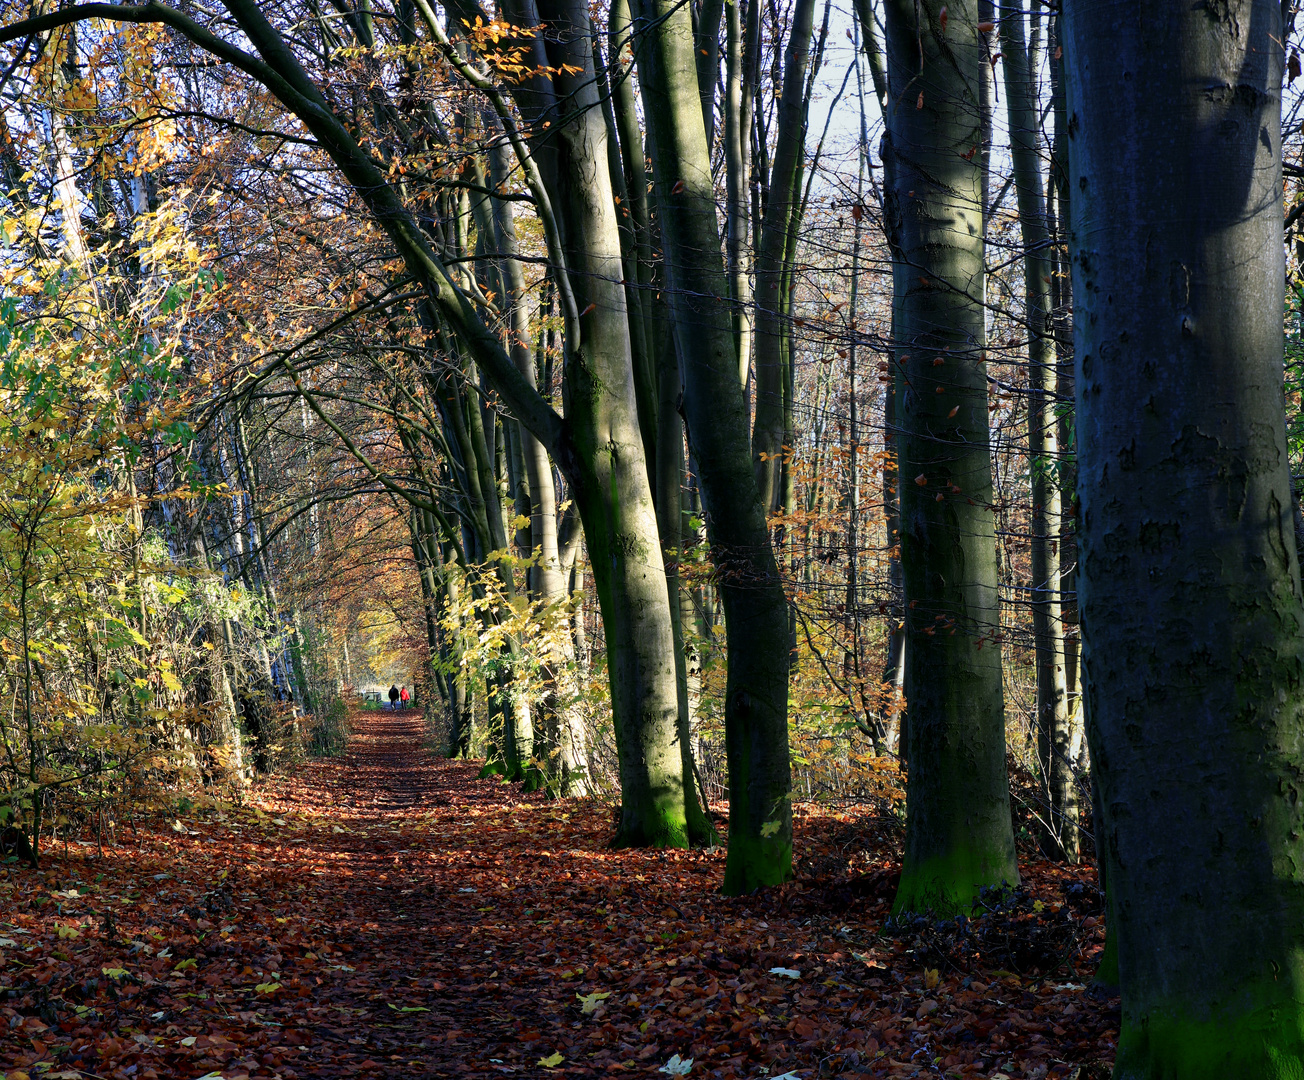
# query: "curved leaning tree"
[[554, 123]]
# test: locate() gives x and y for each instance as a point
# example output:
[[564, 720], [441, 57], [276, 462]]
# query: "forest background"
[[569, 366]]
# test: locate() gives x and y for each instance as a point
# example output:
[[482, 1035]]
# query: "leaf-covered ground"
[[388, 914]]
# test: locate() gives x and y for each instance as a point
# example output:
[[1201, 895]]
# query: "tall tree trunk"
[[756, 615], [894, 668], [223, 641], [612, 488], [461, 697], [737, 163], [958, 832], [620, 67], [669, 495], [708, 61], [1054, 743], [641, 337], [1188, 582], [773, 262]]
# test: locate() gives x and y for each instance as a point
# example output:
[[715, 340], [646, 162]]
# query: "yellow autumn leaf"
[[589, 1002]]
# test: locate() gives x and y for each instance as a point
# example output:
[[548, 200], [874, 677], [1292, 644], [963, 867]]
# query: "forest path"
[[386, 913]]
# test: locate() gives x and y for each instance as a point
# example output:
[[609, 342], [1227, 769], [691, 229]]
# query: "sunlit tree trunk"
[[669, 496], [1054, 738], [737, 160], [756, 616], [958, 832], [563, 755], [612, 488], [461, 695], [773, 261]]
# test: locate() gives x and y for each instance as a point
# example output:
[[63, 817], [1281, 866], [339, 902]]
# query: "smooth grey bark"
[[756, 616], [707, 55], [737, 164], [1055, 752], [773, 261], [612, 489], [620, 68], [958, 832], [1189, 584], [641, 337]]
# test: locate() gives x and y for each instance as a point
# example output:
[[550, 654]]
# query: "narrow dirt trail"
[[388, 914]]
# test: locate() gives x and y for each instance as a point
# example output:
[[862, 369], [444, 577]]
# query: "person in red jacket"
[[403, 698]]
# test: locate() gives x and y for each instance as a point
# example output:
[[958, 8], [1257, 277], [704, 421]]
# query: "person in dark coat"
[[393, 697]]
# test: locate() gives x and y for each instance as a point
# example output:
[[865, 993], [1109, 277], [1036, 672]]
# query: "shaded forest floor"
[[388, 914]]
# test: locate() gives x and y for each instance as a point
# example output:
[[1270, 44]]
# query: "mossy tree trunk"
[[756, 613], [1188, 582], [611, 487], [958, 832]]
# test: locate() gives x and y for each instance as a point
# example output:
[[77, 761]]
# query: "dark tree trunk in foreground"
[[958, 832], [1189, 583]]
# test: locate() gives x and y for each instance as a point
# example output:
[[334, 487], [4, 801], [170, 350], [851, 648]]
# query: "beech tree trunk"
[[1189, 584], [1055, 749], [773, 261], [756, 611], [563, 750], [958, 831], [612, 488]]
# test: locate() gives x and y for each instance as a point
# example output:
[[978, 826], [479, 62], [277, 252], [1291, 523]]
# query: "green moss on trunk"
[[958, 831], [1262, 1041], [757, 862], [665, 827], [949, 885]]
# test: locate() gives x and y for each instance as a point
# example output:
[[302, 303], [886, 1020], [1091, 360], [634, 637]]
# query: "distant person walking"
[[404, 697], [393, 697]]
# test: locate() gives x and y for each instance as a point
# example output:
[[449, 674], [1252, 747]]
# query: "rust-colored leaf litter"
[[388, 914]]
